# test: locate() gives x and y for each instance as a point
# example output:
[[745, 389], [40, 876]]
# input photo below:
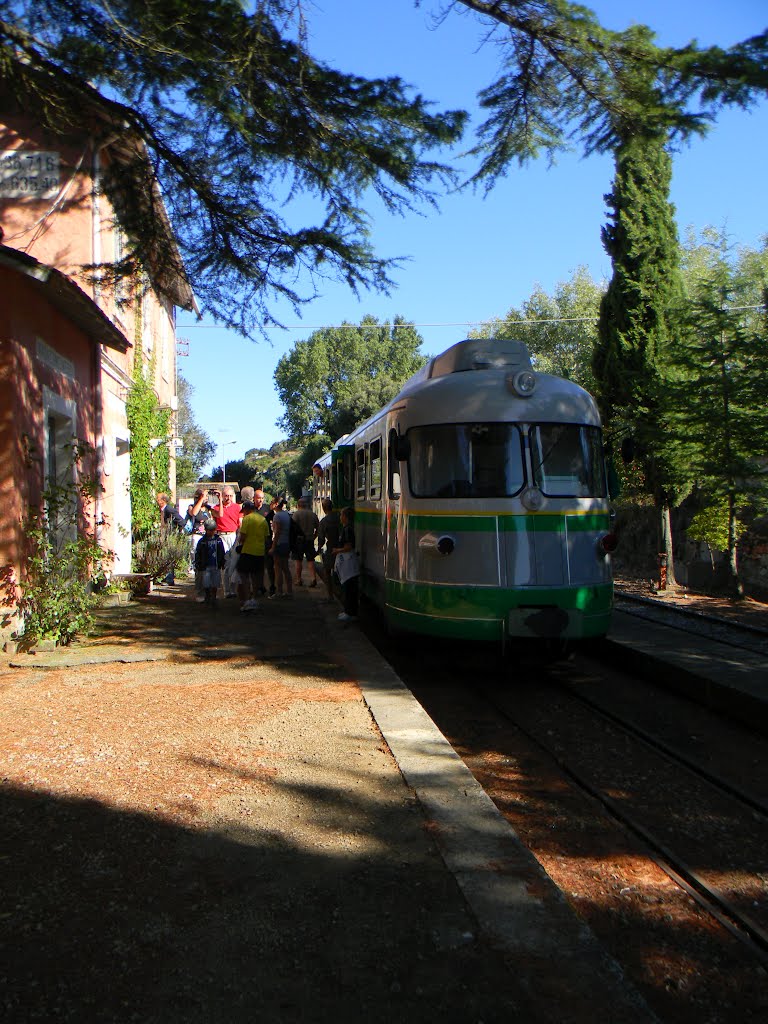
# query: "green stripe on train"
[[482, 613], [540, 522]]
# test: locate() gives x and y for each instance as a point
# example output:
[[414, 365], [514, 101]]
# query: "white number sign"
[[26, 172]]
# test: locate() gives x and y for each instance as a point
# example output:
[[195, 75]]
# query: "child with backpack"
[[209, 561]]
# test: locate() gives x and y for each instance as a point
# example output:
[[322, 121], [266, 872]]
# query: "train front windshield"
[[466, 460], [485, 460], [568, 460]]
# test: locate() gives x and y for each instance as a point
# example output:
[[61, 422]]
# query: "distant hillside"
[[277, 469], [283, 469]]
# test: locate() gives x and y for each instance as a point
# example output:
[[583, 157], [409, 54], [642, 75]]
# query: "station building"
[[71, 335]]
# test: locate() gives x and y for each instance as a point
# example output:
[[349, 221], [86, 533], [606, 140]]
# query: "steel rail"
[[752, 935]]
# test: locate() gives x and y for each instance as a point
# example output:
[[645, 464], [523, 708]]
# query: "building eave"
[[67, 297]]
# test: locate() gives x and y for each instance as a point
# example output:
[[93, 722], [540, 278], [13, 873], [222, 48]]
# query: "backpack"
[[174, 518], [295, 536]]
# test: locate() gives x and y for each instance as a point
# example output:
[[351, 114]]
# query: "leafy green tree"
[[340, 376], [238, 471], [238, 119], [560, 330], [278, 468], [637, 313], [640, 312], [711, 526], [198, 447], [747, 270], [565, 77], [724, 361], [558, 82]]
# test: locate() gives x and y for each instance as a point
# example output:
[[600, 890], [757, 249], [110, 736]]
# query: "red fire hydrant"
[[662, 570]]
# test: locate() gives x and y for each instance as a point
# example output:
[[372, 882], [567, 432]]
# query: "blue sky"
[[480, 254]]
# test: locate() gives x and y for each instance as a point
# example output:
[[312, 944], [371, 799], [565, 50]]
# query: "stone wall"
[[639, 546]]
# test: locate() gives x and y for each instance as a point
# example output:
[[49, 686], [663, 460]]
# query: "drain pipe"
[[97, 371]]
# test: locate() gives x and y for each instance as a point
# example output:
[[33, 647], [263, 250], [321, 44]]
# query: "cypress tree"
[[723, 361], [635, 329], [639, 325]]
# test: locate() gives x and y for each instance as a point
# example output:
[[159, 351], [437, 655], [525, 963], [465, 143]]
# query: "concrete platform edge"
[[733, 692], [515, 902]]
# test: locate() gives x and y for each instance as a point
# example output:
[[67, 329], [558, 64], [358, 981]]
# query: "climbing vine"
[[63, 560], [150, 431]]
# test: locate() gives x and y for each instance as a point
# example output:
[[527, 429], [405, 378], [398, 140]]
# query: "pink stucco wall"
[[74, 228], [26, 371]]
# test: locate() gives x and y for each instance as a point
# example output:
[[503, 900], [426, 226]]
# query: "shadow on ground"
[[120, 917]]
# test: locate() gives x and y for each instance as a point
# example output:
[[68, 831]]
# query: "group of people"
[[243, 546]]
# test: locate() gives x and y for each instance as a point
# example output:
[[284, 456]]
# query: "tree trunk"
[[666, 539], [735, 586]]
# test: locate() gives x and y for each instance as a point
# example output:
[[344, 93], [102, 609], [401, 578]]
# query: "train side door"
[[343, 476], [395, 523]]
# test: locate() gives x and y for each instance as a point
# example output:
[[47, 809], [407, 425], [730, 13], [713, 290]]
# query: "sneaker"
[[272, 591], [273, 595], [252, 605], [230, 596], [200, 599], [343, 617]]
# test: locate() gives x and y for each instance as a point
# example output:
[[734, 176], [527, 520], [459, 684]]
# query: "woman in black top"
[[347, 568]]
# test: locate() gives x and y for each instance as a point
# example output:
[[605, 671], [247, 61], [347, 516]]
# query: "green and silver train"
[[481, 501]]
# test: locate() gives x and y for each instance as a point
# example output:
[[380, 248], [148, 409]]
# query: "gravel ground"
[[221, 835], [203, 824]]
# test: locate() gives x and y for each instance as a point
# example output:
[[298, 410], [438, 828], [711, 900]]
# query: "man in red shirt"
[[227, 515]]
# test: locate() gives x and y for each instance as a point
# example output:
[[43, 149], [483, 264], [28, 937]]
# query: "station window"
[[374, 469], [360, 472]]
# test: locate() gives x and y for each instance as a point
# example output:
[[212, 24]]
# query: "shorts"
[[305, 550], [210, 579], [250, 565]]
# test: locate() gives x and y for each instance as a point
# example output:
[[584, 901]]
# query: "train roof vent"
[[481, 354]]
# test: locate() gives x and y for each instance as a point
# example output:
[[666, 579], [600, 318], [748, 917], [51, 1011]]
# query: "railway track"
[[676, 848], [731, 631], [648, 811]]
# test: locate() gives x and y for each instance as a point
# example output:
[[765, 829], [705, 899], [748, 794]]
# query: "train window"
[[360, 472], [466, 460], [374, 469], [394, 466], [344, 468], [567, 460], [348, 479]]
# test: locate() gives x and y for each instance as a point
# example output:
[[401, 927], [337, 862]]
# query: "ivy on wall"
[[150, 432]]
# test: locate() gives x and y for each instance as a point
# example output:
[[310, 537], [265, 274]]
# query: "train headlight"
[[523, 383], [435, 545], [532, 499], [446, 545], [607, 544]]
